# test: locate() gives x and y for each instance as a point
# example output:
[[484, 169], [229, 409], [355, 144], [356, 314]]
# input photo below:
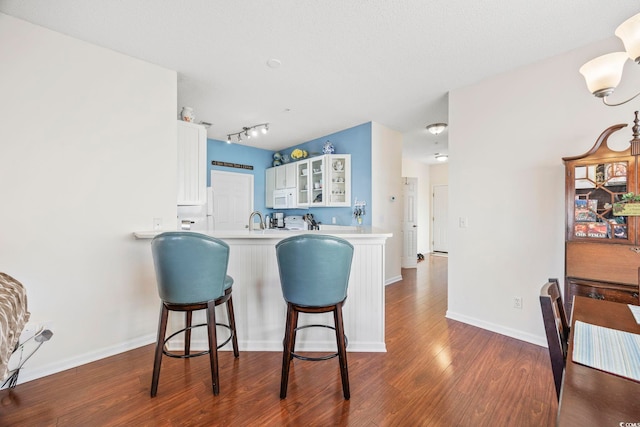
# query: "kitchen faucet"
[[254, 213]]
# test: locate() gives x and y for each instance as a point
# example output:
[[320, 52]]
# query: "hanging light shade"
[[629, 33], [603, 74]]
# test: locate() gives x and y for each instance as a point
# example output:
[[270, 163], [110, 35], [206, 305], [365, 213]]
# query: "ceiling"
[[342, 63]]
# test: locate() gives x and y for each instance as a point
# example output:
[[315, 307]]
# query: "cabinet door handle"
[[635, 295], [595, 296], [636, 250]]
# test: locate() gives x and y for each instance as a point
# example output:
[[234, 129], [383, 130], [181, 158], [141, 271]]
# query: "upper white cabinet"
[[269, 186], [322, 181], [192, 164], [304, 187], [338, 179], [285, 176]]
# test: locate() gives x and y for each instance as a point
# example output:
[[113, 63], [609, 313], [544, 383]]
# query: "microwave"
[[284, 198]]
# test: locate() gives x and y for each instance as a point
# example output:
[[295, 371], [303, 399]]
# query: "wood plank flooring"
[[436, 372]]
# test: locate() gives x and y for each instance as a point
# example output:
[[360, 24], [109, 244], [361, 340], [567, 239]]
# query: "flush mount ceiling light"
[[436, 128], [441, 157], [603, 74], [248, 132]]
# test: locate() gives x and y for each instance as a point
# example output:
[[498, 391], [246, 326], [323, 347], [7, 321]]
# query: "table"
[[590, 397]]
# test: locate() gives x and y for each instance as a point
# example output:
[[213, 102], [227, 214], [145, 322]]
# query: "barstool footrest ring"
[[202, 353], [318, 358]]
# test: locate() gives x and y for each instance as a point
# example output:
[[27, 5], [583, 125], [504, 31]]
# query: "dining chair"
[[191, 273], [556, 328], [314, 276]]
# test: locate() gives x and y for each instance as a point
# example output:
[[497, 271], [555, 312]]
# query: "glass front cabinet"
[[602, 246], [324, 181]]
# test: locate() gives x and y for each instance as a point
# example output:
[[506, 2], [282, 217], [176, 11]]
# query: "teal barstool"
[[191, 271], [314, 275]]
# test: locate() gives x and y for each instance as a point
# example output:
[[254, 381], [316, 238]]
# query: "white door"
[[232, 200], [410, 223], [440, 217]]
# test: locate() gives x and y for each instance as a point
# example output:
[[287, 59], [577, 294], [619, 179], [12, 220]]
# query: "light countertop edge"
[[359, 233]]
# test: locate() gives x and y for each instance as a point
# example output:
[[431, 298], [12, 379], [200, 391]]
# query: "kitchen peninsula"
[[260, 310]]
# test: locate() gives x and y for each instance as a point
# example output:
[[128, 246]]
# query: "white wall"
[[414, 169], [88, 154], [507, 137], [386, 181]]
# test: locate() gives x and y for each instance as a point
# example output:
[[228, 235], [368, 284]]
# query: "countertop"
[[276, 233]]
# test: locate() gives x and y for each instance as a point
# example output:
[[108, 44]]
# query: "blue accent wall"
[[355, 141]]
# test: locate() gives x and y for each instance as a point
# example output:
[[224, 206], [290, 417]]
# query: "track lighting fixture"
[[248, 131]]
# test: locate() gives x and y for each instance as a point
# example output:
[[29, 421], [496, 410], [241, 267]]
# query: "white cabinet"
[[269, 186], [324, 181], [316, 183], [285, 176], [338, 179], [192, 164], [304, 187]]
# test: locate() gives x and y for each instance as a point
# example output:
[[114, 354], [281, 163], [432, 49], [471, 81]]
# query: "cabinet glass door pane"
[[303, 183], [338, 180], [317, 181], [597, 188]]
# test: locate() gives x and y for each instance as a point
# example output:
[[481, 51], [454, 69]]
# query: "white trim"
[[509, 332]]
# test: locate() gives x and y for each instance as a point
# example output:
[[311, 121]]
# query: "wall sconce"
[[603, 74], [441, 157], [248, 132]]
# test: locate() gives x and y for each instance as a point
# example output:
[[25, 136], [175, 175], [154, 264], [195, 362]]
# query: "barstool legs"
[[213, 343], [290, 342], [342, 350], [162, 329], [232, 325]]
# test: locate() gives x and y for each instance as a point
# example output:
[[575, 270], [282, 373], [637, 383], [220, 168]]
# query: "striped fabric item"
[[13, 317], [608, 350], [635, 310]]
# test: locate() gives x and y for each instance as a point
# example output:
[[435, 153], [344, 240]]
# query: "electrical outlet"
[[517, 302]]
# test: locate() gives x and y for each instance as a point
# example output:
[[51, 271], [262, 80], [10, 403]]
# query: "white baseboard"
[[513, 333], [27, 374], [393, 280]]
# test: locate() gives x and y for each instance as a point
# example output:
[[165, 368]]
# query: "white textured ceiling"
[[343, 62]]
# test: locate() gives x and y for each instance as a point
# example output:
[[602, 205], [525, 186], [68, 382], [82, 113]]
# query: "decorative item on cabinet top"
[[187, 114], [328, 148], [298, 154]]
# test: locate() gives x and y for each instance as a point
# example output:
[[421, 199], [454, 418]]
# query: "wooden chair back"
[[556, 328]]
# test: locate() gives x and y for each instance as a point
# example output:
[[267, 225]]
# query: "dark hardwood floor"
[[436, 372]]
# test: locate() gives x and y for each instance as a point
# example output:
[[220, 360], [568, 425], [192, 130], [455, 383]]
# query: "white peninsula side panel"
[[261, 311]]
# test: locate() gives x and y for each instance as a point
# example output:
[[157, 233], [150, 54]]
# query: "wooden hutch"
[[602, 245]]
